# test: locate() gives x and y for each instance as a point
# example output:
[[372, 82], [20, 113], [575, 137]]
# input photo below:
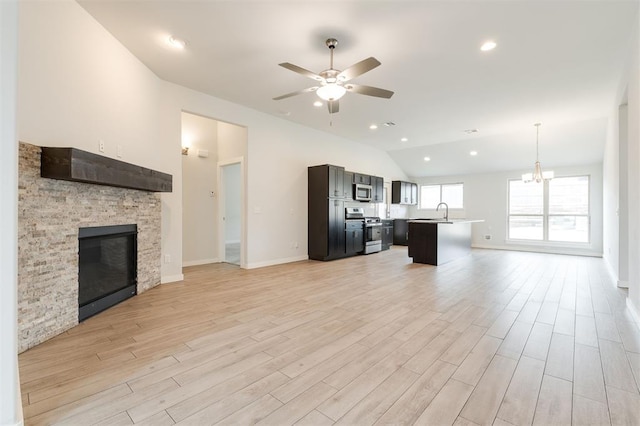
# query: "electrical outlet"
[[101, 145], [119, 151], [167, 258], [487, 237]]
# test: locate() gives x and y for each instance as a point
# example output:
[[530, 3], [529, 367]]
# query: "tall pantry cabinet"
[[327, 191]]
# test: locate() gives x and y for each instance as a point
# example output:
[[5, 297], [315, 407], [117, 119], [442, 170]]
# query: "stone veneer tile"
[[50, 212]]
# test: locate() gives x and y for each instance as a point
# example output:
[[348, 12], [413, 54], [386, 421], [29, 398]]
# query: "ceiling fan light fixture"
[[176, 43], [488, 45], [331, 92]]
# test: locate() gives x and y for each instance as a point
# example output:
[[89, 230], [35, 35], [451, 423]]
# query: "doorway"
[[213, 180], [231, 212]]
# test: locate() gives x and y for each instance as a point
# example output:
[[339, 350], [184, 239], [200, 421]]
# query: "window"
[[569, 209], [432, 195], [556, 210], [526, 210]]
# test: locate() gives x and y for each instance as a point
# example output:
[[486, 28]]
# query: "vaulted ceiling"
[[556, 62]]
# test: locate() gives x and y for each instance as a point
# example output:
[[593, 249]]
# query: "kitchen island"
[[438, 241]]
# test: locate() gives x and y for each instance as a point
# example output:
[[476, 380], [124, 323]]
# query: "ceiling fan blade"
[[297, 92], [360, 68], [301, 70], [369, 91], [334, 106]]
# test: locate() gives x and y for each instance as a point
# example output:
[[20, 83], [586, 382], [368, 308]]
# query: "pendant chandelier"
[[538, 175]]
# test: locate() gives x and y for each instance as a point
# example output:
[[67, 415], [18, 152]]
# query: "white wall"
[[611, 197], [633, 143], [10, 402], [623, 196], [486, 197], [232, 141], [621, 186], [199, 180]]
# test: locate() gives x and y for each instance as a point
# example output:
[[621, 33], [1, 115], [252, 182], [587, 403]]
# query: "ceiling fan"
[[334, 83]]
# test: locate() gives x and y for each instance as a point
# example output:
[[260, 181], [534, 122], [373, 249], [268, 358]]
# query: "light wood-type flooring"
[[497, 337]]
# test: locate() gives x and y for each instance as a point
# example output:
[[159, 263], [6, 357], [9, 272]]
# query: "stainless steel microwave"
[[362, 192]]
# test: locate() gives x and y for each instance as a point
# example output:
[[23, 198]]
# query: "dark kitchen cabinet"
[[414, 194], [400, 232], [404, 192], [336, 244], [326, 196], [377, 193], [354, 236], [387, 233], [348, 186], [335, 181], [360, 178]]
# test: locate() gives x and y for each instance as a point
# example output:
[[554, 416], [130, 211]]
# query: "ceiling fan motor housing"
[[331, 43]]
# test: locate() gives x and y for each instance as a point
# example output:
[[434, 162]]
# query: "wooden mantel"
[[75, 165]]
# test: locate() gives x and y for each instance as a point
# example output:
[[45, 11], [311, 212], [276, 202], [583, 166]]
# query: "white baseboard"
[[171, 279], [547, 250], [200, 262], [276, 262], [19, 413], [612, 272], [635, 313]]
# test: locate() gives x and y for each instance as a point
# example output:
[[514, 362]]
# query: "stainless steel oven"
[[372, 235]]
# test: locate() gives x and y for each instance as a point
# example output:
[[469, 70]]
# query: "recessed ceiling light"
[[176, 42], [488, 45], [317, 104], [470, 131], [473, 153], [427, 158], [403, 139], [373, 126]]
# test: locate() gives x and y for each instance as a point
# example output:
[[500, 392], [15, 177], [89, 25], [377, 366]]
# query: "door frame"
[[221, 210]]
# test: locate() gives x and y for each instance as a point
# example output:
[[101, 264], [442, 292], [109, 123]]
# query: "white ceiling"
[[557, 62]]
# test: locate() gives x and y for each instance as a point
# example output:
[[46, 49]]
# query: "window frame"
[[440, 185], [546, 215]]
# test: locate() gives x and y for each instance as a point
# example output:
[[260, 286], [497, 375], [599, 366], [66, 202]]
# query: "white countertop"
[[442, 221]]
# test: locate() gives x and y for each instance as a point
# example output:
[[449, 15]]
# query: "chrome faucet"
[[446, 212]]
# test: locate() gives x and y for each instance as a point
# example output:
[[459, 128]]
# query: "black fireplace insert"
[[107, 267]]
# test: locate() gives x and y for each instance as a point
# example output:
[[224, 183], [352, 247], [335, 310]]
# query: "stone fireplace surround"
[[50, 212]]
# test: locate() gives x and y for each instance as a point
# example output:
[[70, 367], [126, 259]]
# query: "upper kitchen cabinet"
[[362, 179], [328, 180], [404, 192], [377, 193], [348, 186]]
